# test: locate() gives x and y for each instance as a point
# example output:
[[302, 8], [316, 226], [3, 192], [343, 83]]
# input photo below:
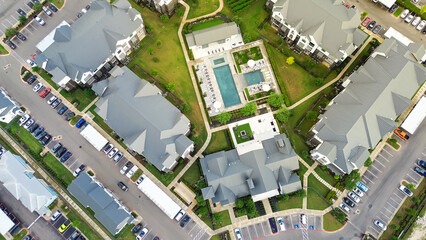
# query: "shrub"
[[155, 59], [318, 82], [164, 18], [310, 64], [22, 19], [37, 6], [148, 29], [10, 32], [283, 114], [311, 115], [203, 211], [249, 109], [239, 203], [154, 72], [200, 201], [394, 226], [159, 43], [170, 87], [301, 193], [185, 108], [336, 176], [351, 179], [223, 117], [305, 154], [275, 100], [290, 60], [368, 162]]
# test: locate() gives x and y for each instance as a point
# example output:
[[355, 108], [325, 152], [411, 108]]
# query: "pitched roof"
[[112, 214], [366, 110], [6, 103], [84, 45], [17, 177], [138, 113], [333, 26], [212, 34], [230, 175]]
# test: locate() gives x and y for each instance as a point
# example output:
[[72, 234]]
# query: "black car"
[[56, 147], [28, 237], [62, 110], [371, 25], [10, 44], [38, 131], [30, 4], [61, 152], [31, 79], [273, 225], [21, 36], [424, 30], [52, 7], [137, 228], [87, 7], [35, 1], [421, 163], [123, 186], [184, 221], [79, 14], [377, 29], [393, 8], [349, 202], [46, 140], [21, 12], [69, 115], [66, 156], [41, 136], [420, 171], [33, 128]]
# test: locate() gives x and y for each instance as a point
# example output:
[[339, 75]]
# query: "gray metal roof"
[[231, 176], [6, 103], [212, 34], [108, 211], [333, 26], [137, 112], [89, 41], [366, 110]]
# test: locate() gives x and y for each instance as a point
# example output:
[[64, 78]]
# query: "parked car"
[[361, 186], [88, 7], [238, 234], [39, 20], [66, 156], [348, 202], [56, 215], [62, 110], [29, 123], [123, 186], [404, 13], [52, 7], [69, 115], [46, 139], [31, 63], [108, 148], [24, 119], [184, 221], [371, 25], [64, 226], [38, 131], [424, 30], [80, 123], [142, 234], [44, 93], [21, 12], [405, 190], [409, 18], [303, 219], [10, 44], [402, 134], [420, 171], [37, 87], [78, 170], [28, 237], [124, 169], [179, 215], [393, 8], [132, 171], [31, 79], [366, 21], [380, 224], [354, 197], [421, 163], [421, 25], [56, 147], [47, 11], [139, 181], [52, 99], [56, 103], [416, 21], [30, 4], [61, 152], [21, 36], [358, 192], [273, 225], [376, 29], [41, 136], [33, 128], [345, 208], [75, 235], [281, 224], [112, 153], [118, 156], [137, 228]]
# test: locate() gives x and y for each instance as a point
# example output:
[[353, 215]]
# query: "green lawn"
[[126, 233], [314, 201], [193, 174], [80, 96], [20, 235], [165, 178], [25, 138], [243, 133], [6, 145], [324, 174], [61, 171], [225, 220], [3, 50], [57, 3], [394, 144], [330, 222], [292, 202], [79, 223], [220, 141], [302, 171], [207, 24], [136, 175], [171, 68], [46, 76], [201, 7], [2, 237], [398, 12]]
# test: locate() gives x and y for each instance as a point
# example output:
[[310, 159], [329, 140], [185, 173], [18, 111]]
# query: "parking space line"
[[263, 229], [414, 180], [255, 229], [390, 205], [368, 170], [377, 231], [377, 160], [383, 157], [397, 203], [384, 149], [249, 233], [376, 168], [382, 219], [367, 179], [400, 198], [192, 228], [388, 210], [385, 215]]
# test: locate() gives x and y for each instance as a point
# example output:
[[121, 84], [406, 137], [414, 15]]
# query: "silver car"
[[112, 153]]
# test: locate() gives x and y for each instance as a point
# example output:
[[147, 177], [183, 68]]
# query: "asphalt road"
[[106, 170]]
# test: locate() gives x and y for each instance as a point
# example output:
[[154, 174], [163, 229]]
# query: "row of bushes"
[[239, 5]]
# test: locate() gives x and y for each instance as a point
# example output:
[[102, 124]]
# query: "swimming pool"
[[254, 77], [227, 87]]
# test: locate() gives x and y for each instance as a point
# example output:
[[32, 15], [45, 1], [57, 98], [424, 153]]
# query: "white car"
[[415, 1], [37, 87], [47, 11], [124, 169], [132, 171], [29, 123], [118, 157], [405, 190], [56, 215], [421, 25], [52, 100], [31, 63], [39, 20], [409, 18], [344, 207], [359, 192], [24, 119], [416, 21], [380, 224], [142, 234], [354, 197], [404, 13], [112, 153], [140, 179], [281, 224], [238, 234]]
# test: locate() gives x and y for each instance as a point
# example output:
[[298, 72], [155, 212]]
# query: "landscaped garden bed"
[[243, 133], [243, 56]]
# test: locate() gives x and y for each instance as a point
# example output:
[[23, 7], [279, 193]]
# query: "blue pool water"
[[254, 77], [227, 87]]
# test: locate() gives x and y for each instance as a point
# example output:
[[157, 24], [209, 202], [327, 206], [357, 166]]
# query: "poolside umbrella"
[[217, 104], [266, 87], [250, 63]]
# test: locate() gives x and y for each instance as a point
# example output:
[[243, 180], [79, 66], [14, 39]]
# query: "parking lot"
[[195, 231], [57, 224]]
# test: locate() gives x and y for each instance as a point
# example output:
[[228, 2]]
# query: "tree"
[[368, 162], [290, 60], [170, 87], [158, 43], [37, 6], [423, 9], [22, 19], [275, 100], [164, 18], [239, 203], [283, 114], [311, 115], [351, 179], [416, 200], [203, 211], [185, 108], [409, 211], [305, 154], [223, 117], [154, 72], [150, 51], [217, 218], [10, 32], [155, 59], [310, 64], [148, 29], [200, 201], [336, 176], [242, 211], [318, 82], [301, 193], [249, 109]]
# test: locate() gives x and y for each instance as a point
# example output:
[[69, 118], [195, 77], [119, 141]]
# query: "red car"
[[44, 93], [366, 21]]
